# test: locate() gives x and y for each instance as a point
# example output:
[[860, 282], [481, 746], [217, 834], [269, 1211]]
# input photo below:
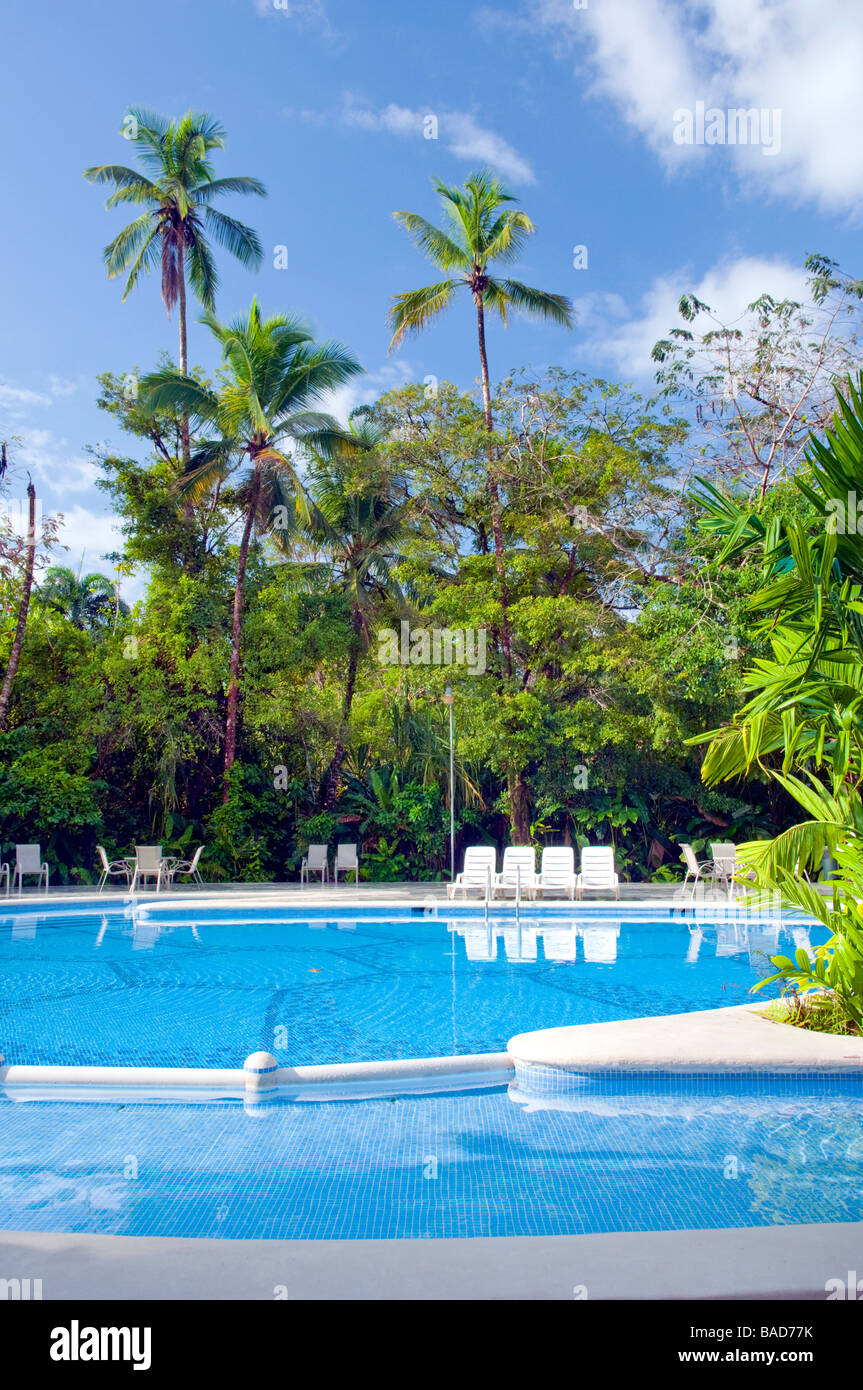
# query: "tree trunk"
[[331, 780], [519, 795], [519, 803], [494, 492], [184, 356], [23, 609], [236, 635]]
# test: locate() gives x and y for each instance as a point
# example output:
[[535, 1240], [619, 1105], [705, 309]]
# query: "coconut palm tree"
[[177, 188], [259, 419], [89, 601], [354, 517], [479, 230]]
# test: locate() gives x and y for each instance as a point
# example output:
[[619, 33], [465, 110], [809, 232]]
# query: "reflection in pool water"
[[202, 987]]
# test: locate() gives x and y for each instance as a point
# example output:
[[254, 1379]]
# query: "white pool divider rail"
[[260, 1078]]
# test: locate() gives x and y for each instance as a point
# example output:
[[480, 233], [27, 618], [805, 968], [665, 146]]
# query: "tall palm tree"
[[177, 188], [479, 230], [274, 373], [87, 600], [354, 517]]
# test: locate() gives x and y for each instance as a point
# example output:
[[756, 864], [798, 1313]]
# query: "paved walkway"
[[787, 1262]]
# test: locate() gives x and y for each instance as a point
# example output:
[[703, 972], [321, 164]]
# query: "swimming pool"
[[158, 986], [659, 1153]]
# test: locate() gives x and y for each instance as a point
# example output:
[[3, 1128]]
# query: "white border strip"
[[352, 1079]]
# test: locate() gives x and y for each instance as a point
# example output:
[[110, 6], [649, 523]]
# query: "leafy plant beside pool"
[[801, 727]]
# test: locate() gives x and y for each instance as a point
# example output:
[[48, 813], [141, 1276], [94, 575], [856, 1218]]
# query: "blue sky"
[[573, 104]]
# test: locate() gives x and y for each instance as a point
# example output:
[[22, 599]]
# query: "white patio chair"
[[112, 868], [187, 868], [557, 872], [148, 864], [519, 867], [597, 871], [695, 867], [347, 860], [316, 861], [478, 870], [724, 859], [28, 860]]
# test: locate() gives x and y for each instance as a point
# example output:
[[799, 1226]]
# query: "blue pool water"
[[673, 1155], [180, 988]]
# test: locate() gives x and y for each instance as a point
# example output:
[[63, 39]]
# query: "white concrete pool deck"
[[785, 1262], [347, 895], [740, 1038]]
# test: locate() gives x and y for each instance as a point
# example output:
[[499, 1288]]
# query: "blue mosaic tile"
[[670, 1154]]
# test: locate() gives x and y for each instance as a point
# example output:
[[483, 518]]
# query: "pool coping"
[[752, 1262], [427, 898]]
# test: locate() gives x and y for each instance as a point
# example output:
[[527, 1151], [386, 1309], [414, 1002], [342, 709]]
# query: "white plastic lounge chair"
[[597, 871], [28, 860], [187, 868], [519, 867], [112, 868], [695, 867], [600, 943], [478, 870], [559, 942], [316, 861], [347, 861], [148, 864], [557, 872]]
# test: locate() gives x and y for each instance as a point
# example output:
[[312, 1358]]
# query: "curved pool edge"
[[738, 1039]]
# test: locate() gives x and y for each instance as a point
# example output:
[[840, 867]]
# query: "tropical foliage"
[[307, 587], [801, 726]]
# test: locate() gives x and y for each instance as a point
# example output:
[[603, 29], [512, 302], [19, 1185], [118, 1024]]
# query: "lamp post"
[[449, 699]]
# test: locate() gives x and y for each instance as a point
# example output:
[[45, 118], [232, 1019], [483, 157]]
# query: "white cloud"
[[366, 389], [89, 535], [19, 401], [50, 461], [460, 131], [652, 57], [626, 341], [304, 12]]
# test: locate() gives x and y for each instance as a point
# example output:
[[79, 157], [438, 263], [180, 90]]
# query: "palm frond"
[[413, 310], [539, 303], [440, 248], [242, 242]]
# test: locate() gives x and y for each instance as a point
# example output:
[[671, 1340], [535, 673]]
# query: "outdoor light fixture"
[[449, 700]]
